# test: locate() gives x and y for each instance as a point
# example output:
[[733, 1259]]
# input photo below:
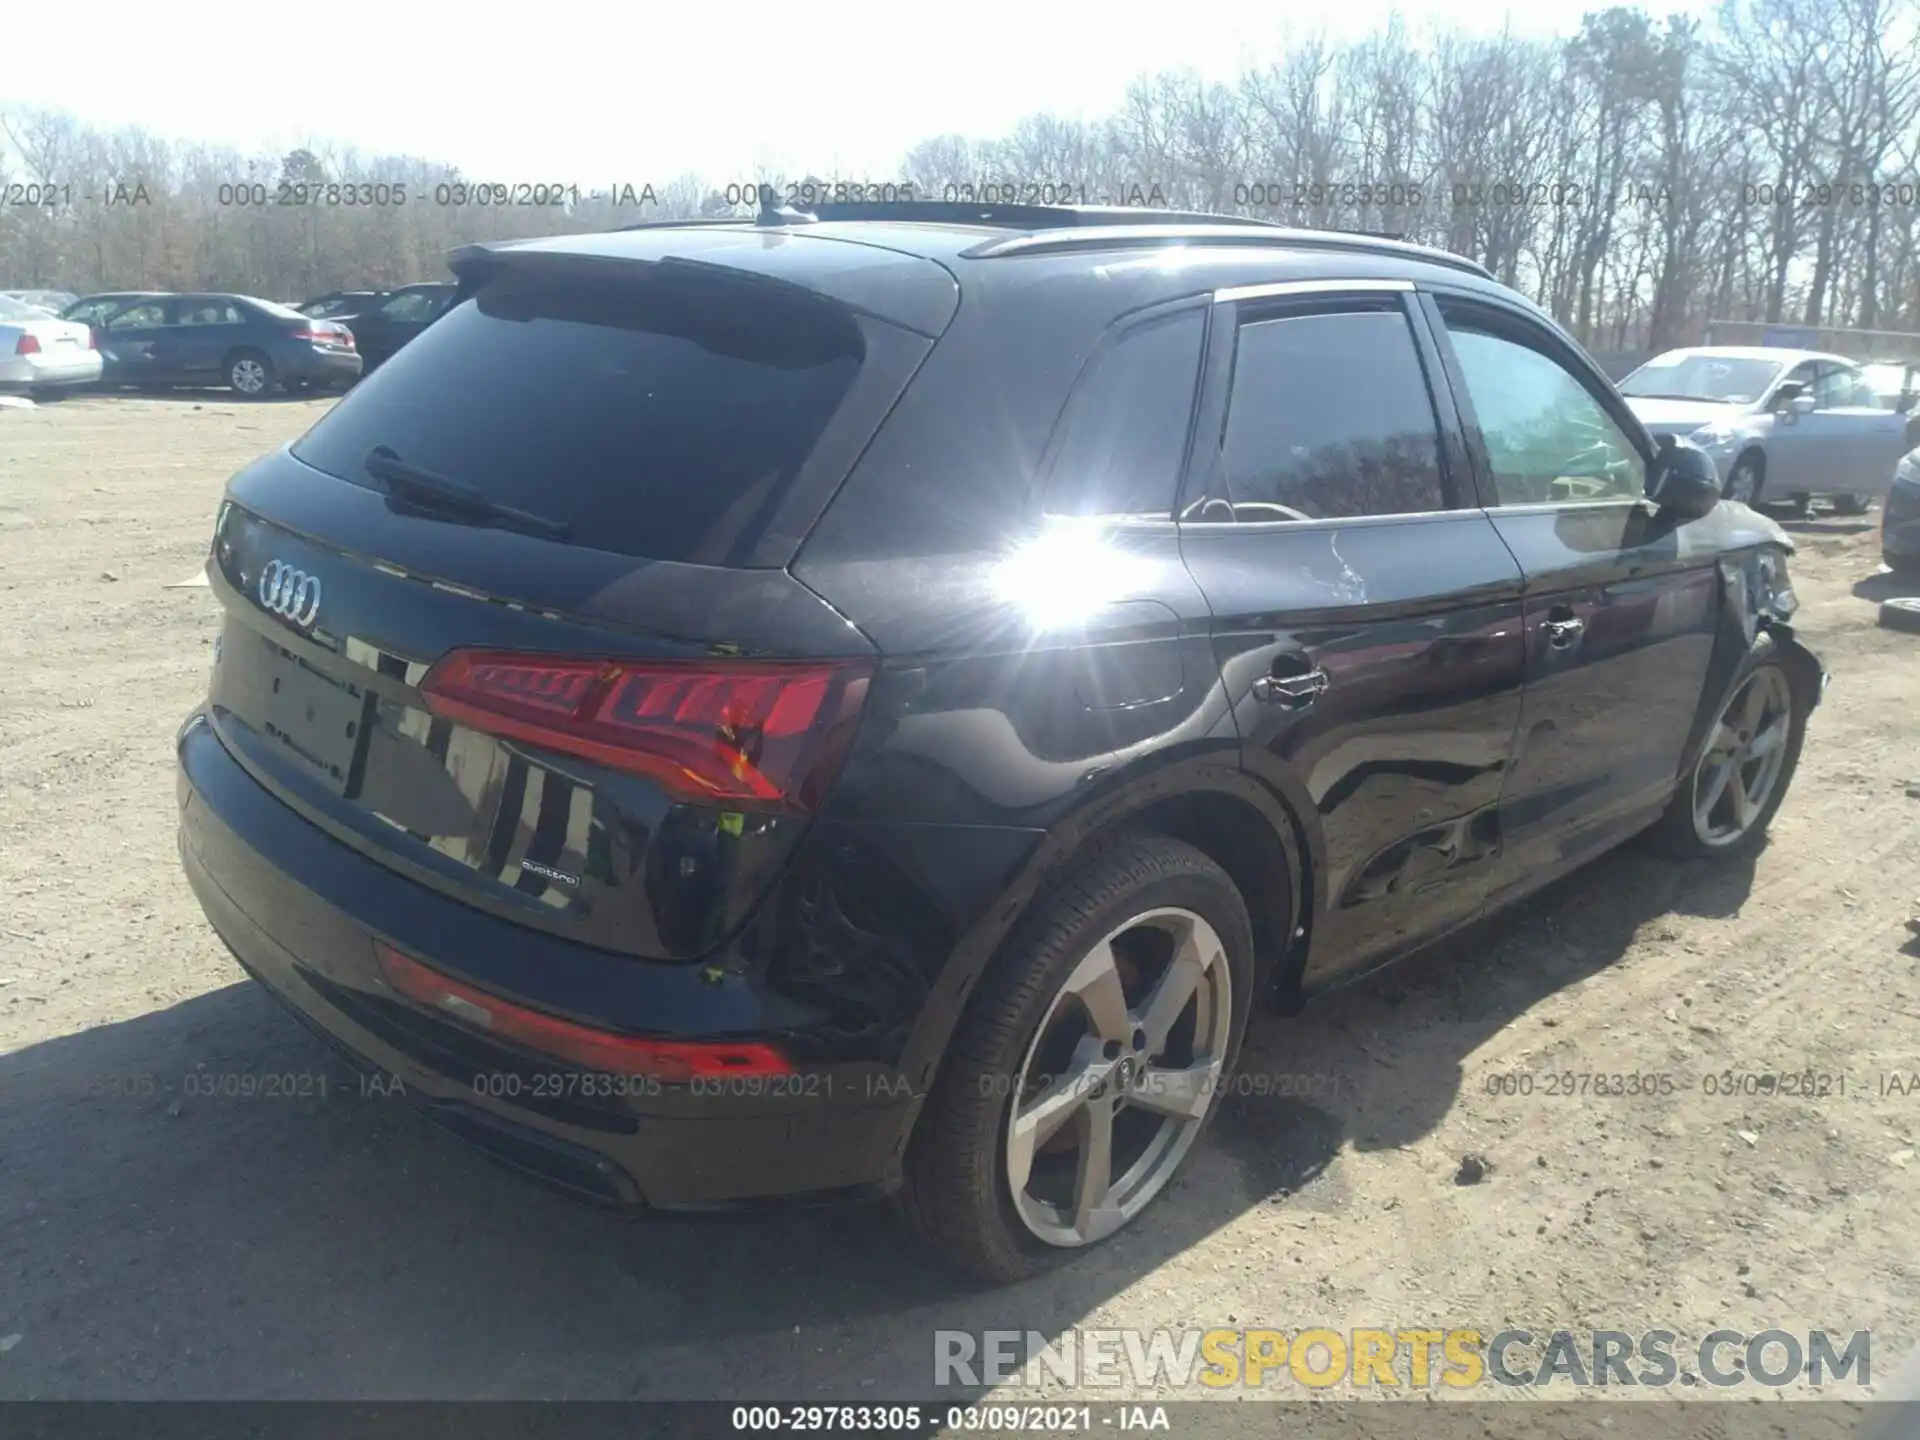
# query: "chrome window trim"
[[1332, 522], [1284, 288]]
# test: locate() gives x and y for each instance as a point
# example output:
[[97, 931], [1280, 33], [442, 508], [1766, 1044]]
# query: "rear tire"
[[250, 374], [1723, 806], [1850, 504], [1141, 919], [1901, 613]]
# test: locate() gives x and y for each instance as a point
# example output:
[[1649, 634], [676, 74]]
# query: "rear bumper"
[[60, 366], [300, 912], [307, 363]]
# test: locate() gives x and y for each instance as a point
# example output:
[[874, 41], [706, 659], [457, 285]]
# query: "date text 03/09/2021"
[[969, 1419]]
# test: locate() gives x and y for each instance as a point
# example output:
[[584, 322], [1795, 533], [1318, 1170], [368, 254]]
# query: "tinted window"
[[1124, 434], [1330, 416], [144, 316], [209, 312], [88, 311], [335, 305], [1547, 437], [656, 419], [414, 305]]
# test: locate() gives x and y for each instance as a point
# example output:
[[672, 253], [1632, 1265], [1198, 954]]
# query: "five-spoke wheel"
[[1119, 1077], [1089, 1061]]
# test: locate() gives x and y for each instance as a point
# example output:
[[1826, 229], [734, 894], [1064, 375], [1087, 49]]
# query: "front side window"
[[148, 316], [87, 312], [1807, 377], [1329, 416], [1548, 438], [1841, 385]]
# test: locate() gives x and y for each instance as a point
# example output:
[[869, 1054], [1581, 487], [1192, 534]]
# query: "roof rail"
[[1020, 217], [683, 224], [1115, 237], [962, 212]]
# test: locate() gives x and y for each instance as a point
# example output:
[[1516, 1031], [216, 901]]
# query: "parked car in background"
[[384, 327], [252, 346], [1895, 383], [1900, 518], [341, 304], [795, 686], [40, 352], [92, 310], [51, 301], [1781, 425]]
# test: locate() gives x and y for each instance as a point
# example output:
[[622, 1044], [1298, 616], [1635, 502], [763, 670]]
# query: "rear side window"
[[1124, 434], [656, 418], [414, 305], [1329, 416]]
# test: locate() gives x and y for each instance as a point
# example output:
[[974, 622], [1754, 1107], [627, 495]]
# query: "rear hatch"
[[513, 618]]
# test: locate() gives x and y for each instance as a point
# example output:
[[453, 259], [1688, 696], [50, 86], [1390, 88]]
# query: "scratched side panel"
[[1397, 768]]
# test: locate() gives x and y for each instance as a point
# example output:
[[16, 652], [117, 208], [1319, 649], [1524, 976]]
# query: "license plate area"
[[320, 720]]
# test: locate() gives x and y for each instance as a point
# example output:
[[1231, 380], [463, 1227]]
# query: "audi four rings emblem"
[[289, 593]]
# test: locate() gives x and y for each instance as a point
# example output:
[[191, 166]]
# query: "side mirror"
[[1803, 404], [1783, 398], [1904, 405], [1683, 481]]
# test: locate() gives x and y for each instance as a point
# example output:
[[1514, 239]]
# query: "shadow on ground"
[[1886, 585], [162, 1244]]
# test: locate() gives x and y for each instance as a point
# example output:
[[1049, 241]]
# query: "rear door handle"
[[1292, 691], [1563, 628]]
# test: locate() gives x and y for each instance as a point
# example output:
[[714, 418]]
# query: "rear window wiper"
[[426, 490]]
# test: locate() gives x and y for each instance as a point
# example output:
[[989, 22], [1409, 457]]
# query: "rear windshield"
[[657, 418]]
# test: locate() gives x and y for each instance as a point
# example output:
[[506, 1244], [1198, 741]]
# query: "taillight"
[[91, 345], [675, 1061], [747, 734], [26, 345]]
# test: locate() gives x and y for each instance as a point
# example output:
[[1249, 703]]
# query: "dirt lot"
[[160, 1246]]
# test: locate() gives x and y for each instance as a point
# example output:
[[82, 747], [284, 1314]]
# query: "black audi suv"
[[872, 701]]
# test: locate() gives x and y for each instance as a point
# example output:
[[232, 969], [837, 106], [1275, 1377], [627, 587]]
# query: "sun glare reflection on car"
[[1067, 574]]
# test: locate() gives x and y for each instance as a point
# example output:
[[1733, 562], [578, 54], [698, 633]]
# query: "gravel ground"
[[167, 1245]]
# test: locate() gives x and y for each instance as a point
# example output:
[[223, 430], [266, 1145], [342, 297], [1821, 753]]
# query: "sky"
[[599, 94]]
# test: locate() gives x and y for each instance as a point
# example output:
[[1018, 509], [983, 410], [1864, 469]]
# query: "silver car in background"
[[1780, 424], [41, 352], [51, 301]]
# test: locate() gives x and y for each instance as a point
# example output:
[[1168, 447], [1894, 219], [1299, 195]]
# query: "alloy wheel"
[[1742, 483], [1744, 758], [249, 377], [1118, 1081]]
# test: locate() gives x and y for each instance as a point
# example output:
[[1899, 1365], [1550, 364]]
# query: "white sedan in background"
[[1781, 425], [41, 352]]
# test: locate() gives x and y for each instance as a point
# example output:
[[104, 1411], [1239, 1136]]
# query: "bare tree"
[[1639, 178]]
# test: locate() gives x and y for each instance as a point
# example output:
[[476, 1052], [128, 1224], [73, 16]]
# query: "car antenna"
[[775, 214]]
